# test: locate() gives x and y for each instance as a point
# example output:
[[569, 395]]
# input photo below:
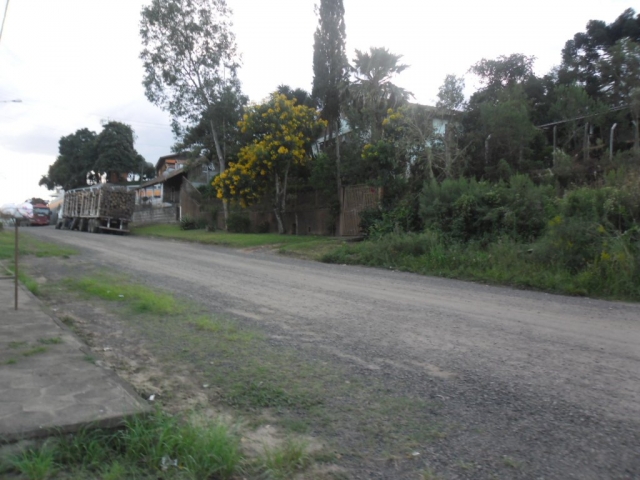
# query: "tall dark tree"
[[584, 56], [116, 155], [330, 69], [76, 159]]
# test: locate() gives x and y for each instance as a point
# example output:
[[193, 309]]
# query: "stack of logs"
[[116, 202]]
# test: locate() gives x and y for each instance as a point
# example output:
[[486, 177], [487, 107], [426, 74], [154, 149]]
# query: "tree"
[[74, 166], [504, 71], [584, 56], [300, 95], [116, 155], [189, 58], [282, 133], [86, 157], [225, 116], [372, 91], [450, 105], [330, 71]]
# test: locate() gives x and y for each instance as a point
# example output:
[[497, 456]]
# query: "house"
[[170, 195]]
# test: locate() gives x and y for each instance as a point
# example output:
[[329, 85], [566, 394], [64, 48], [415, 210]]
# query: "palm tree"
[[372, 92]]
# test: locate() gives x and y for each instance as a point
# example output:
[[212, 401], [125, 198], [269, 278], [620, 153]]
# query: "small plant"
[[511, 462], [34, 351], [50, 341], [188, 223], [17, 344], [285, 461], [34, 464]]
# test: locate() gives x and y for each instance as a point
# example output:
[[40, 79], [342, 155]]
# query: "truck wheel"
[[58, 225]]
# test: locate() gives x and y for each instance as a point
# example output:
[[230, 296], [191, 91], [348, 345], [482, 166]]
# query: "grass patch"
[[50, 341], [139, 298], [17, 344], [11, 361], [30, 246], [285, 461], [224, 329], [90, 359], [237, 240], [502, 262], [142, 449], [34, 351]]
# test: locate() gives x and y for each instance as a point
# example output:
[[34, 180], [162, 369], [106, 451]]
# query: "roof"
[[177, 156], [175, 173]]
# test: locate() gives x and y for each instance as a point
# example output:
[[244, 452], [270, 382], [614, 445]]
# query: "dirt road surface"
[[549, 380]]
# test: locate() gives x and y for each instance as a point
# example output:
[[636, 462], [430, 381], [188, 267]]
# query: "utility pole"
[[16, 256]]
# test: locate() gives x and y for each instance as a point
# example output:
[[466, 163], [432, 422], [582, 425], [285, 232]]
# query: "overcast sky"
[[74, 63]]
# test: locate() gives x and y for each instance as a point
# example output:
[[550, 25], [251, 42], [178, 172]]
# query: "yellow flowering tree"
[[282, 133]]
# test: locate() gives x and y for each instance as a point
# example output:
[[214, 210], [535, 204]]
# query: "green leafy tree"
[[225, 116], [116, 155], [282, 133], [330, 71], [74, 165], [300, 95], [584, 56], [372, 91], [189, 58]]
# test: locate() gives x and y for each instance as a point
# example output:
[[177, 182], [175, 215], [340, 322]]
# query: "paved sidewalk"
[[47, 381]]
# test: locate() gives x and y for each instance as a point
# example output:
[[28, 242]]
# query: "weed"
[[11, 361], [141, 299], [223, 328], [34, 464], [203, 450], [50, 341], [90, 359], [429, 475], [17, 344], [511, 462], [286, 460], [260, 394], [34, 351]]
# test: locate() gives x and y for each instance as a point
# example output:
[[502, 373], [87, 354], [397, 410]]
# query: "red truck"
[[41, 215]]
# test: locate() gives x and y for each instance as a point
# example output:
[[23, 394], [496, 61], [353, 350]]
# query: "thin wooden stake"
[[16, 265]]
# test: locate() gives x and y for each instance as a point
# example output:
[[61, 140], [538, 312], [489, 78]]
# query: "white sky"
[[75, 62]]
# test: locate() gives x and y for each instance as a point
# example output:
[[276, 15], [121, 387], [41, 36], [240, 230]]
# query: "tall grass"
[[184, 447], [502, 262]]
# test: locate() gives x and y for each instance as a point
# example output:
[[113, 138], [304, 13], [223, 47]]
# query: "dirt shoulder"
[[396, 374]]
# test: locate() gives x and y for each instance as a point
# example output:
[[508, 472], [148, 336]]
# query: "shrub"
[[188, 223], [238, 223]]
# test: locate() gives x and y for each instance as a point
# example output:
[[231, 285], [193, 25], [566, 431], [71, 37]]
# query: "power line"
[[6, 8]]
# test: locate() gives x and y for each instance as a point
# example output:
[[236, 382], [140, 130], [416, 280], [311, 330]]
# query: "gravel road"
[[548, 380]]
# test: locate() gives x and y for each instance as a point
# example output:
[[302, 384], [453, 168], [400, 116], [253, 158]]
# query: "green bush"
[[466, 209], [238, 223], [188, 223]]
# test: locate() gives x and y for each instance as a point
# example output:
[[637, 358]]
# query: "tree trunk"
[[223, 166], [280, 201]]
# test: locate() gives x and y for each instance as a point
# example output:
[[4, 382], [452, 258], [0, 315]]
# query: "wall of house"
[[147, 215]]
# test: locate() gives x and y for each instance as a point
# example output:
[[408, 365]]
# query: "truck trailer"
[[97, 209]]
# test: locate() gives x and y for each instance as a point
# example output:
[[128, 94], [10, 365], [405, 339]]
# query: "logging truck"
[[100, 208]]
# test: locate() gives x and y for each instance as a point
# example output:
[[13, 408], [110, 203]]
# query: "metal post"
[[555, 138], [613, 127], [586, 142], [17, 255], [636, 141]]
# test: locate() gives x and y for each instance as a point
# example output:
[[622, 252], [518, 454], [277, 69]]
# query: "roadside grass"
[[143, 448], [30, 246], [287, 243], [263, 382], [500, 263], [138, 298], [285, 461]]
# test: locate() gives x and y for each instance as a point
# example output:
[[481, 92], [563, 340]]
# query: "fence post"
[[17, 255], [613, 127]]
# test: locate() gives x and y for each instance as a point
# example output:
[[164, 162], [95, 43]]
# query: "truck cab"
[[41, 215]]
